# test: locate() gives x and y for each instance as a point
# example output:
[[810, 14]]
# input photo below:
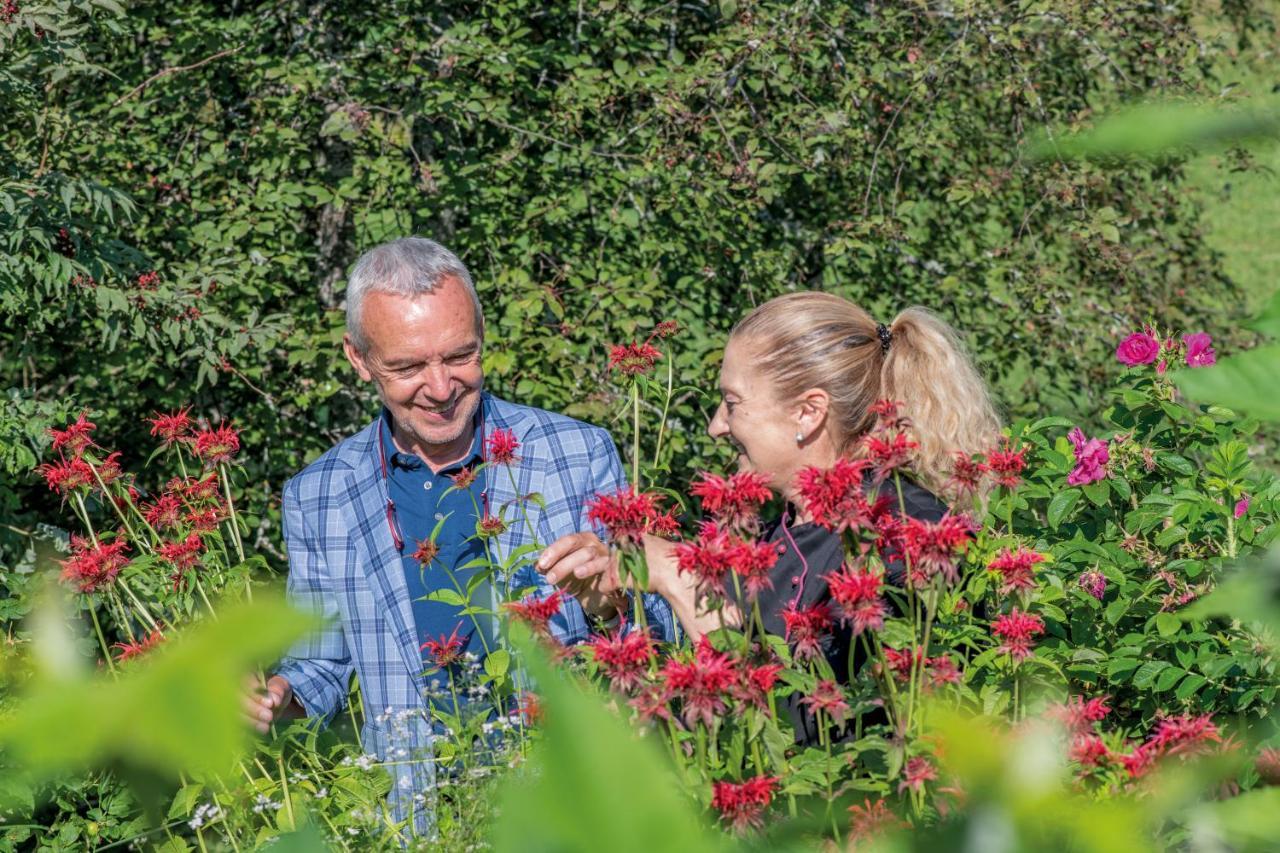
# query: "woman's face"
[[761, 427]]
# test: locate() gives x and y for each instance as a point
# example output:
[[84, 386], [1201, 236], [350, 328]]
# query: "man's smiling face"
[[423, 355]]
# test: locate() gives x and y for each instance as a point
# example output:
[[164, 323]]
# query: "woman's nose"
[[719, 425]]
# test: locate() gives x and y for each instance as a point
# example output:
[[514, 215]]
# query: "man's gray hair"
[[407, 267]]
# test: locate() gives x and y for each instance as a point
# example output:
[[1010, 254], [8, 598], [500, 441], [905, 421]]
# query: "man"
[[387, 517]]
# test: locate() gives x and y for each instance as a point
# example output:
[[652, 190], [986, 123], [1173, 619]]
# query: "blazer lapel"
[[366, 514]]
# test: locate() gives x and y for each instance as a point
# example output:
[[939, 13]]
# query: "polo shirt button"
[[427, 485], [439, 516], [795, 581]]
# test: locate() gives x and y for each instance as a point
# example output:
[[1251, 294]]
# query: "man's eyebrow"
[[466, 349]]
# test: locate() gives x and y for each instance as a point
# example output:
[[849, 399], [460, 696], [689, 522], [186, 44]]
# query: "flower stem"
[[666, 407], [635, 434], [102, 640]]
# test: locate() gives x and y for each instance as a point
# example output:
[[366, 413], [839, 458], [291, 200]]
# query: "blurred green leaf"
[[1155, 128], [1247, 382]]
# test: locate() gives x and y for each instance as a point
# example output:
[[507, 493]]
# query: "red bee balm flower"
[[94, 567], [444, 652], [918, 771], [627, 515], [828, 698], [67, 475], [216, 446], [633, 359], [426, 553], [501, 447], [165, 513], [183, 555], [741, 805], [888, 452], [138, 647], [624, 658], [1006, 465], [1016, 630], [75, 438], [871, 820], [172, 427], [464, 478], [857, 591], [933, 548], [1089, 751], [966, 476], [734, 501], [1016, 568], [536, 612], [702, 683], [490, 526], [1077, 714], [835, 497], [807, 628]]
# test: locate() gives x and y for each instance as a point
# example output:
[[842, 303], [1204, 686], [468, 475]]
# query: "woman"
[[798, 380]]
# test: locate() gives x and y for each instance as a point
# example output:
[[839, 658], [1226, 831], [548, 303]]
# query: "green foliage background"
[[600, 166]]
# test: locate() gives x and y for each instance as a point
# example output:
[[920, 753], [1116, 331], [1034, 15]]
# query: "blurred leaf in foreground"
[[592, 784], [1152, 129], [1251, 593], [1248, 382], [178, 711]]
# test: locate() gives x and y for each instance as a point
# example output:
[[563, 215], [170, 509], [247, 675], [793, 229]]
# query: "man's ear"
[[356, 358], [811, 410]]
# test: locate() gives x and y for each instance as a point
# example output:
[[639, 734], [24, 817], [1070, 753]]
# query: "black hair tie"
[[886, 336]]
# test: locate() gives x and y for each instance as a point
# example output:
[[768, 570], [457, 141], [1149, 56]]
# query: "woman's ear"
[[811, 411]]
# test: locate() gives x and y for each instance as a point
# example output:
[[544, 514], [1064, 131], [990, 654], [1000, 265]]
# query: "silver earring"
[[799, 437]]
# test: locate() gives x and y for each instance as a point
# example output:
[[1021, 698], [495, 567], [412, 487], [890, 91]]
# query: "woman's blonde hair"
[[819, 340]]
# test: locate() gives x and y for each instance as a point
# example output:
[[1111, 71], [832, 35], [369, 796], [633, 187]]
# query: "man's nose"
[[437, 382]]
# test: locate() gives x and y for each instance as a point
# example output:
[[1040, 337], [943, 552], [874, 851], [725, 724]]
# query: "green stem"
[[635, 435], [666, 407], [235, 522], [102, 639]]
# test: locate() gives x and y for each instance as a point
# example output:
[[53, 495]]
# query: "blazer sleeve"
[[319, 666]]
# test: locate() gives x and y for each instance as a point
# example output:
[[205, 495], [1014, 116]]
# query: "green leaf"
[[1061, 505], [1168, 678], [1168, 624], [1190, 685], [497, 663], [446, 596], [1247, 382], [1147, 673]]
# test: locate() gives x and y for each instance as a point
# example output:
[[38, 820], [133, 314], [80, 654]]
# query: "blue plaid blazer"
[[344, 565]]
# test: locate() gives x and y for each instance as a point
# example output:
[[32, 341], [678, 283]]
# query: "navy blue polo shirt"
[[426, 499]]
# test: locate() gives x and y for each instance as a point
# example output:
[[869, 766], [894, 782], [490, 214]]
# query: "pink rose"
[[1242, 506], [1092, 456], [1138, 348], [1199, 350]]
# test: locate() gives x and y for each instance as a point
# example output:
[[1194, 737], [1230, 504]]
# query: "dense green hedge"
[[599, 165]]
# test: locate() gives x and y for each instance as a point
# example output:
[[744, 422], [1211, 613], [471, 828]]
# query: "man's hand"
[[586, 568], [264, 704]]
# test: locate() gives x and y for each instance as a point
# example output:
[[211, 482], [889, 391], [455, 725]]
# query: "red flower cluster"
[[92, 567], [735, 501], [628, 515], [1078, 714], [138, 647], [1088, 750], [828, 698], [741, 805], [443, 651], [67, 475], [464, 478], [75, 438], [941, 670], [501, 446], [426, 553], [857, 591], [490, 526], [633, 359], [182, 555], [624, 658], [166, 513], [536, 612], [918, 771], [836, 496], [966, 476], [871, 820], [806, 628], [173, 427], [888, 451], [1016, 630], [1006, 464], [702, 684], [1016, 568], [716, 552], [217, 446], [1184, 736], [932, 548]]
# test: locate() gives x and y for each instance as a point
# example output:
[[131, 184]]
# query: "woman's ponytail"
[[927, 368]]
